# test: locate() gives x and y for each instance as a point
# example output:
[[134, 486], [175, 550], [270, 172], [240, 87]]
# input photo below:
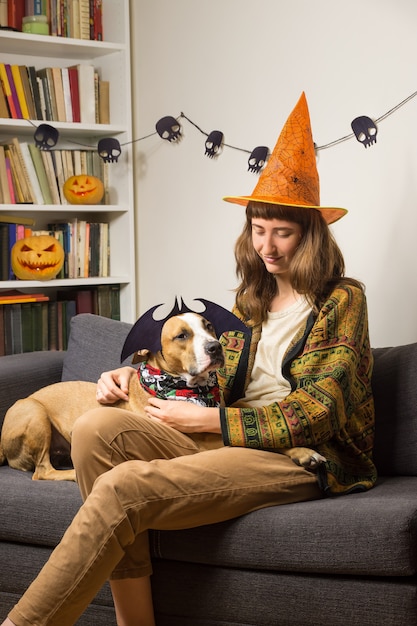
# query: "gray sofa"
[[334, 562]]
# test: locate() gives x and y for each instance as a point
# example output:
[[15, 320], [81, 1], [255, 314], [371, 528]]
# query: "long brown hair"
[[317, 265]]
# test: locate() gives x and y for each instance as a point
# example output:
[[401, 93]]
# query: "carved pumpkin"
[[83, 189], [39, 257]]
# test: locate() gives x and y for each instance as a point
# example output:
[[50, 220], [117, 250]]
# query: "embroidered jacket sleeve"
[[330, 407]]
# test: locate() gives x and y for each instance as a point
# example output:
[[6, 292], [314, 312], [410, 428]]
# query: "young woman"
[[302, 378]]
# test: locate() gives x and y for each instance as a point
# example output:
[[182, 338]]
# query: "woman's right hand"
[[114, 385]]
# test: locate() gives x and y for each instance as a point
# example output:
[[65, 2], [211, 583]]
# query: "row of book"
[[58, 94], [29, 175], [32, 322], [82, 19], [86, 247]]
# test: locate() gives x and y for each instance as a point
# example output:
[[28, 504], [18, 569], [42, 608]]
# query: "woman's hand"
[[114, 385], [185, 417]]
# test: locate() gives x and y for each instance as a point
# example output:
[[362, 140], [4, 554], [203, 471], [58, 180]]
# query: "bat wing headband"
[[146, 332]]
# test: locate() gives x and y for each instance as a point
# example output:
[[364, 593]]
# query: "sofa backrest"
[[94, 346], [96, 342], [394, 384]]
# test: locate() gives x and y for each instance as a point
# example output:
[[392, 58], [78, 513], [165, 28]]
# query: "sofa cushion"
[[35, 511], [94, 346], [372, 533], [395, 392]]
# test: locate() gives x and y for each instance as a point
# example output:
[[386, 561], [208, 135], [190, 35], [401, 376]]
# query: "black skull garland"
[[46, 137], [109, 149], [168, 128], [214, 143], [257, 159], [365, 130]]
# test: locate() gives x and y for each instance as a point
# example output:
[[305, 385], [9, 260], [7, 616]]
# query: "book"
[[41, 173], [37, 195], [4, 107], [7, 91], [87, 93], [3, 16], [104, 102], [66, 88], [30, 103], [46, 157], [27, 326], [34, 86], [16, 219], [23, 173], [97, 20], [4, 182], [74, 19], [58, 91], [4, 252], [17, 80], [15, 13], [45, 90], [10, 178], [75, 94], [84, 8], [13, 90]]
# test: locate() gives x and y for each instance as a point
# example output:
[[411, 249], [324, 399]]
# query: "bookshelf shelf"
[[111, 59], [24, 44], [67, 130]]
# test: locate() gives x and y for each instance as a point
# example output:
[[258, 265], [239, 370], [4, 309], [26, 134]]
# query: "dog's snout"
[[213, 348]]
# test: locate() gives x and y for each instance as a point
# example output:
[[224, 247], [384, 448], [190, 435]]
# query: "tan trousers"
[[140, 475]]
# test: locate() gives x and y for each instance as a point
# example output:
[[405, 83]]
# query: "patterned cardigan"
[[330, 407]]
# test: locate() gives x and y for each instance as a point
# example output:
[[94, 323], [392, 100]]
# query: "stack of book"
[[32, 176], [32, 321], [67, 94], [81, 19], [86, 245]]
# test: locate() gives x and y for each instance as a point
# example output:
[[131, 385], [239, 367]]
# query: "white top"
[[267, 383]]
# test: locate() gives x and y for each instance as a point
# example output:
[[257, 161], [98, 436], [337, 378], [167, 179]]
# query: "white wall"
[[239, 66]]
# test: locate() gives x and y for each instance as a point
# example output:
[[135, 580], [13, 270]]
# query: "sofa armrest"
[[22, 374]]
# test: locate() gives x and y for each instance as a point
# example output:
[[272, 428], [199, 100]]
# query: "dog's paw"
[[305, 457]]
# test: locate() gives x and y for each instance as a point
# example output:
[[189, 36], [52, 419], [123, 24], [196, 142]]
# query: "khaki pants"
[[142, 475]]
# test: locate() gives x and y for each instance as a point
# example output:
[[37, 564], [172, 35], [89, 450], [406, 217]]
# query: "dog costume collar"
[[168, 387]]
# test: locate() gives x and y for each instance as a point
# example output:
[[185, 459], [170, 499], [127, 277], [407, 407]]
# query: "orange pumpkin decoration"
[[83, 189], [39, 257]]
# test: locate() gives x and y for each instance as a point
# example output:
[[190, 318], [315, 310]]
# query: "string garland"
[[169, 128]]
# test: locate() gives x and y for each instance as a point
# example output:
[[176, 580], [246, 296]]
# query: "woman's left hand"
[[185, 417]]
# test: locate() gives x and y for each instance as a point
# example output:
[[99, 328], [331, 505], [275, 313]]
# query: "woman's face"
[[275, 241]]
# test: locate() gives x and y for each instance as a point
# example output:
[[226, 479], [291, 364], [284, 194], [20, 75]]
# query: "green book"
[[41, 173]]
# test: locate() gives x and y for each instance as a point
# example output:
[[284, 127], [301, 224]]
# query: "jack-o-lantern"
[[39, 257], [83, 189]]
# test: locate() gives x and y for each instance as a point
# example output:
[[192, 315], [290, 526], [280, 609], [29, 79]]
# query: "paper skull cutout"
[[45, 137], [168, 128], [257, 159], [109, 149], [213, 143], [365, 130]]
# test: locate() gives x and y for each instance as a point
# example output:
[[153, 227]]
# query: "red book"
[[14, 92], [75, 94], [98, 20], [15, 13]]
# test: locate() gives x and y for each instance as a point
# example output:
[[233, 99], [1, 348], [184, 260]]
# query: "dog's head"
[[190, 348], [185, 342]]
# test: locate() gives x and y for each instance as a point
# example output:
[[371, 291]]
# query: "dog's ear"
[[222, 319]]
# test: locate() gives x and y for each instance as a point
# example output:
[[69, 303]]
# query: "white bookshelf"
[[112, 59]]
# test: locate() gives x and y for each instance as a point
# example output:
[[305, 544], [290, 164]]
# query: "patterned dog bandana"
[[168, 387]]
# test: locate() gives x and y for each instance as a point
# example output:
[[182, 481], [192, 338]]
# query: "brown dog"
[[190, 353]]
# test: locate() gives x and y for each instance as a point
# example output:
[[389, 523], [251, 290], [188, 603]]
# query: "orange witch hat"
[[290, 177]]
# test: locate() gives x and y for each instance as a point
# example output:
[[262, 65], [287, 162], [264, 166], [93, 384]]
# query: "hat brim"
[[330, 214]]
